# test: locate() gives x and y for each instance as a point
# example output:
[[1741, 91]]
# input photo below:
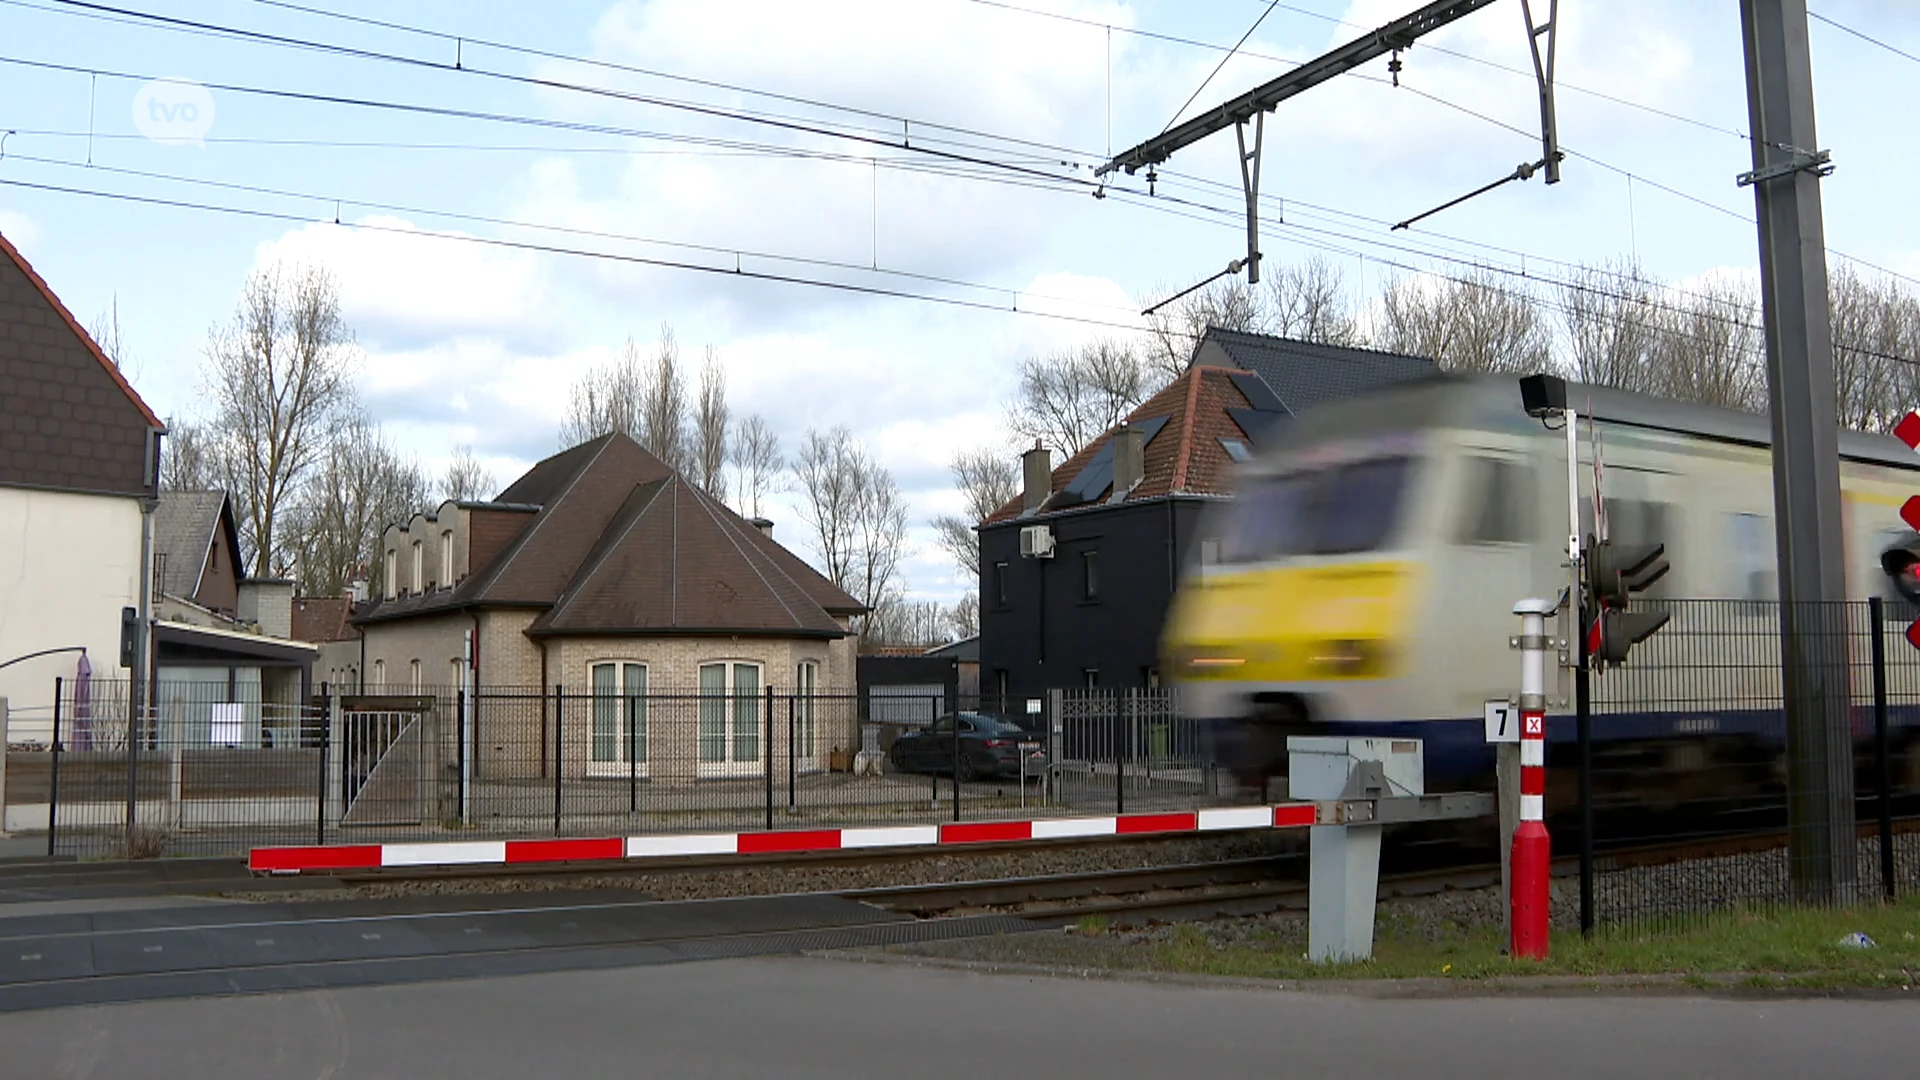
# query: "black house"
[[1076, 575]]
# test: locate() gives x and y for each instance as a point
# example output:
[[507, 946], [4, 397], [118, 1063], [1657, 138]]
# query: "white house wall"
[[68, 564]]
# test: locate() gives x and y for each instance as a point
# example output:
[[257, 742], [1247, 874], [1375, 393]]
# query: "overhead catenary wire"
[[1215, 73], [122, 14], [1863, 36], [555, 249]]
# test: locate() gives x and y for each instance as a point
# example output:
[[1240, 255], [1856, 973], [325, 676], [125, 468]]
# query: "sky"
[[507, 192]]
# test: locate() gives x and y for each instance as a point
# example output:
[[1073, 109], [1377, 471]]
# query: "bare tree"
[[914, 624], [1070, 398], [607, 399], [359, 487], [710, 427], [186, 460], [826, 473], [857, 516], [879, 534], [1709, 348], [756, 458], [1876, 335], [663, 412], [279, 376], [1470, 323], [1174, 330], [105, 332], [987, 480], [1308, 302], [1614, 325], [466, 479], [964, 616]]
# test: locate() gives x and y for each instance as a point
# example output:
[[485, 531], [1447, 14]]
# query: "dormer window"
[[391, 586], [419, 567], [446, 559]]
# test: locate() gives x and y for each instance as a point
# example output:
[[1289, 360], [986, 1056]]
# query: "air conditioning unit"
[[1036, 542]]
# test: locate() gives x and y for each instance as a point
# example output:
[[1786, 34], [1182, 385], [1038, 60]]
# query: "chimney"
[[765, 526], [1129, 460], [1037, 468], [357, 590]]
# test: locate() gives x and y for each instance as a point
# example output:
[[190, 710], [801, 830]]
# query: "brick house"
[[604, 571], [79, 468]]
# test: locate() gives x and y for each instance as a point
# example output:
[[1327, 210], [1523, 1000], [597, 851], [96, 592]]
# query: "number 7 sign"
[[1502, 722]]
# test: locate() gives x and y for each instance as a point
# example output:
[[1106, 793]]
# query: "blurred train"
[[1363, 576]]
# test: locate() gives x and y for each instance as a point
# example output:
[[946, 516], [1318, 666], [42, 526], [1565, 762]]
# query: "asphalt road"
[[829, 1018]]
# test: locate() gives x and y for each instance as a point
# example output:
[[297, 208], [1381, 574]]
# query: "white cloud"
[[20, 231], [403, 287]]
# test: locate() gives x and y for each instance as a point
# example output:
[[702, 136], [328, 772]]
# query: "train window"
[[1497, 502], [1358, 505], [1751, 547], [1262, 518], [1346, 509]]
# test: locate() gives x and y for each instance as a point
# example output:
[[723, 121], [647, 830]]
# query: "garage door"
[[906, 704]]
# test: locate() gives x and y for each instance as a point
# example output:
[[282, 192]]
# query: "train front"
[[1298, 615]]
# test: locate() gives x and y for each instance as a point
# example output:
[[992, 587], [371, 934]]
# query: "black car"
[[988, 746]]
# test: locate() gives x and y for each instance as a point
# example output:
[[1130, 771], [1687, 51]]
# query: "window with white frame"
[[619, 713], [391, 586], [446, 558], [729, 715], [379, 675], [419, 567], [806, 680], [413, 675]]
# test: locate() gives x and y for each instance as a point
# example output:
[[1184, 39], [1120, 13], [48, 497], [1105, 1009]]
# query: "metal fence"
[[1689, 746], [203, 775]]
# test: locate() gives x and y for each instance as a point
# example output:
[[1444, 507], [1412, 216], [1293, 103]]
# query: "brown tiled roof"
[[323, 618], [674, 560], [622, 544], [1184, 457]]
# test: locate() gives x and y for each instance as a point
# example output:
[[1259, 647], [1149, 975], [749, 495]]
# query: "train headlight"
[[1346, 659]]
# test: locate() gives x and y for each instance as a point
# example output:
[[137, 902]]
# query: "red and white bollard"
[[1532, 855]]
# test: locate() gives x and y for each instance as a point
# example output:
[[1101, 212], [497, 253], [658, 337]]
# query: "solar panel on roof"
[[1095, 477], [1258, 394], [1150, 427], [1254, 422]]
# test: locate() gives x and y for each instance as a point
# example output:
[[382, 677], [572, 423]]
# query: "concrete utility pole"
[[1806, 455]]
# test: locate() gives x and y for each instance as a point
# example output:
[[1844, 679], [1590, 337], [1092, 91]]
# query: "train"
[[1361, 581]]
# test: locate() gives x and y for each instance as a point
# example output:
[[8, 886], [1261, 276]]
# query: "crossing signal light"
[[1614, 574], [129, 636]]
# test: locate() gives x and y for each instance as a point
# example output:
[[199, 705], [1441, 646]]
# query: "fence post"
[[793, 773], [460, 752], [1583, 721], [133, 761], [559, 741], [1532, 856], [766, 754], [956, 755], [634, 706], [53, 778], [1883, 772], [1122, 738], [320, 793]]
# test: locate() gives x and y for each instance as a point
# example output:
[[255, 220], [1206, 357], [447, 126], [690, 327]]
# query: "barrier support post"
[[1532, 853]]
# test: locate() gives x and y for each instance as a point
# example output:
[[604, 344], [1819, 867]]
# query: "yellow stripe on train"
[[1270, 624]]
